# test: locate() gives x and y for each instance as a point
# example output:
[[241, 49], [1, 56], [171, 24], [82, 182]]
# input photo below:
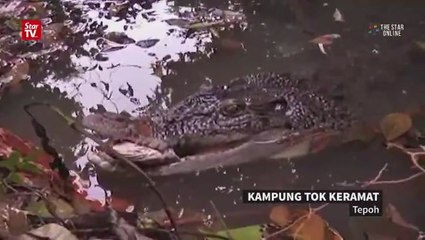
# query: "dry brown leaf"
[[302, 224], [280, 215], [396, 217], [394, 125], [312, 227]]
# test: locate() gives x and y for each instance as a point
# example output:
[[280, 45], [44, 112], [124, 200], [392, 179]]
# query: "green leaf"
[[38, 208], [31, 156], [27, 166], [62, 208], [15, 178], [11, 162], [244, 233], [15, 156], [9, 165]]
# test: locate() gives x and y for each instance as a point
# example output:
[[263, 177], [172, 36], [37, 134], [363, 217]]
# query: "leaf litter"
[[395, 125], [147, 43], [301, 224]]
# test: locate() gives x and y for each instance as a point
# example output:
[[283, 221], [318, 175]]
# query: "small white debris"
[[130, 209], [322, 48], [338, 16]]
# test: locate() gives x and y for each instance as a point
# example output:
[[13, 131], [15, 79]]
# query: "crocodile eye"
[[232, 108], [279, 104]]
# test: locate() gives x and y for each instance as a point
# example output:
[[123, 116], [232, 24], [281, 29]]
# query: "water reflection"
[[133, 64]]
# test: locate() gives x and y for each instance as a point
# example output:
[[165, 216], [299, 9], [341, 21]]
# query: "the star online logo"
[[31, 30]]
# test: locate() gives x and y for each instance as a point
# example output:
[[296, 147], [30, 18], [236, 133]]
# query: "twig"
[[220, 218], [414, 156], [296, 221], [123, 65], [403, 180], [375, 180], [151, 183]]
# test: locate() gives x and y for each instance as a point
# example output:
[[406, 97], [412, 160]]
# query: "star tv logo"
[[31, 30]]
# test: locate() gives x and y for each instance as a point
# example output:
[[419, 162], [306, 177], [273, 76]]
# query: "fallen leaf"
[[106, 45], [312, 227], [183, 23], [280, 215], [119, 37], [326, 39], [147, 43], [61, 208], [394, 125], [243, 233], [100, 57], [49, 231], [338, 16], [301, 225]]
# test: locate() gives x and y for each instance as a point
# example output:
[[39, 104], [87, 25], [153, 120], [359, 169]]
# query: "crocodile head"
[[222, 117]]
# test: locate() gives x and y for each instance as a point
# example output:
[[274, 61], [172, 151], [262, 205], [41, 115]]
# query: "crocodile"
[[252, 117]]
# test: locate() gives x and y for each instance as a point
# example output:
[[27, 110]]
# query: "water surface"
[[376, 75]]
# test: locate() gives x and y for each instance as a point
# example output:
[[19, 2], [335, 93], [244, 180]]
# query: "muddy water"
[[376, 75]]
